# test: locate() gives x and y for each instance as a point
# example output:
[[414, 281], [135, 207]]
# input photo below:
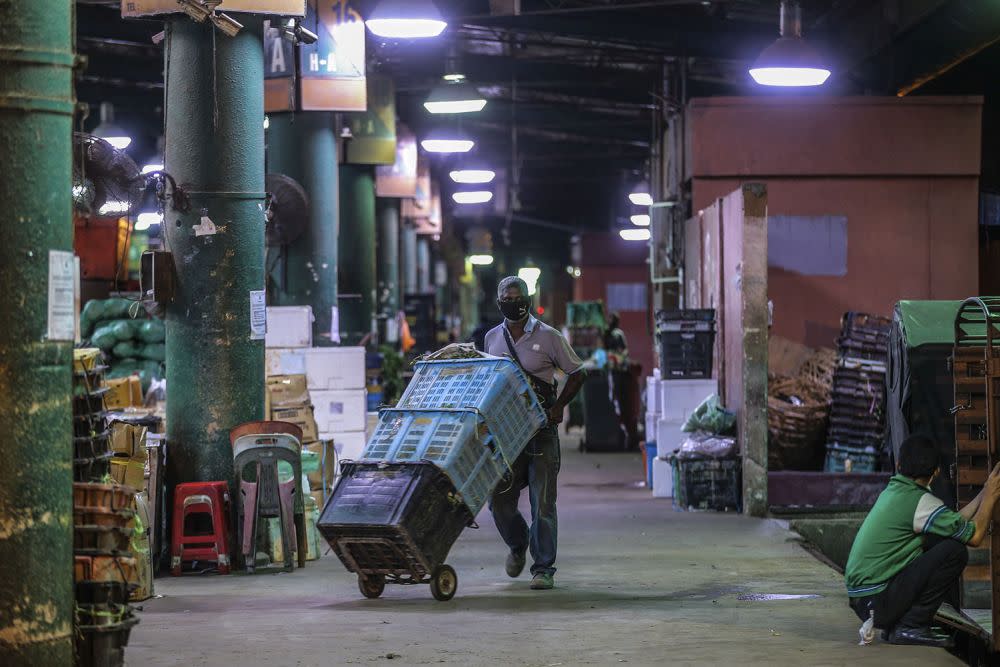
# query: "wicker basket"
[[797, 413], [818, 370]]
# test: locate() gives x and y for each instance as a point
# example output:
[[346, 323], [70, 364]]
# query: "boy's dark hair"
[[919, 457]]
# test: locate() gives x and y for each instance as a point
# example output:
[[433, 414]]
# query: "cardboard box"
[[340, 410], [285, 361], [289, 326], [129, 472], [128, 440], [286, 391], [335, 367], [123, 393], [86, 359], [669, 436], [349, 445], [301, 416]]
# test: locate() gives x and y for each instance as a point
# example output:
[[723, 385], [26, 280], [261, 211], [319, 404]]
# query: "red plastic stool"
[[211, 498]]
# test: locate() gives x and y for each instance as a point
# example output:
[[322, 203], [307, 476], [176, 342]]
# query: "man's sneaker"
[[515, 564], [542, 582]]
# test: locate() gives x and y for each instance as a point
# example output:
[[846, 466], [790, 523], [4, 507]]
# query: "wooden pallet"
[[976, 376]]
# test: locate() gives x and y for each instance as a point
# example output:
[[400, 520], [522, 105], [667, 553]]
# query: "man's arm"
[[984, 514], [969, 510], [572, 387]]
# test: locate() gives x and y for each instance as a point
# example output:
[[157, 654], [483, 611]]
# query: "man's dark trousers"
[[914, 595]]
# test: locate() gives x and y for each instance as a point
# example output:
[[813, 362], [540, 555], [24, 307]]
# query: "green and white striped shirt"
[[892, 534]]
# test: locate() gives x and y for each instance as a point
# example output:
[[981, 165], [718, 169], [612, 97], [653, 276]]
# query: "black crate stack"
[[857, 413], [91, 438], [687, 343], [104, 571]]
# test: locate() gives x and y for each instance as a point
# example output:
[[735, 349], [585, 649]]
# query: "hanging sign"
[[279, 70], [419, 205], [332, 71], [400, 178], [373, 133], [134, 8]]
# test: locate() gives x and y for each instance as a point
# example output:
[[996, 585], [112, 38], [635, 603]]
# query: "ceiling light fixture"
[[406, 19], [634, 234], [454, 94], [473, 176], [112, 207], [109, 131], [150, 168], [641, 198], [447, 141], [790, 61], [530, 276], [481, 260], [642, 220], [144, 221], [473, 197]]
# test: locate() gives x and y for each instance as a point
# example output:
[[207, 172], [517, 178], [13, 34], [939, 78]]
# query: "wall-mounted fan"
[[288, 213]]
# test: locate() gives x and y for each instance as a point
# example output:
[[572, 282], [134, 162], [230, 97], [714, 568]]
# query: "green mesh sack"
[[152, 331], [153, 351], [127, 349]]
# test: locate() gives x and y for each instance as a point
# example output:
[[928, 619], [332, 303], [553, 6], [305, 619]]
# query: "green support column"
[[408, 259], [215, 151], [36, 432], [304, 147], [424, 282], [357, 251], [388, 255]]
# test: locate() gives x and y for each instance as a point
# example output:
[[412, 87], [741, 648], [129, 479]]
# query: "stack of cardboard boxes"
[[322, 391], [128, 444]]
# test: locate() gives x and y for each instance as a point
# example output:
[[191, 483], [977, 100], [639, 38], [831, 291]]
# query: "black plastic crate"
[[103, 645], [398, 520], [686, 354], [687, 315], [708, 484]]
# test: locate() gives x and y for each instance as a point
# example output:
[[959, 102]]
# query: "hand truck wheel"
[[444, 583], [371, 586]]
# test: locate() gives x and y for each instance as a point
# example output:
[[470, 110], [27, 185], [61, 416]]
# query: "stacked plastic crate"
[[471, 418], [428, 469], [857, 414]]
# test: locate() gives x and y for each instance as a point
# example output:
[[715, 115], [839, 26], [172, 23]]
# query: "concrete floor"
[[638, 583]]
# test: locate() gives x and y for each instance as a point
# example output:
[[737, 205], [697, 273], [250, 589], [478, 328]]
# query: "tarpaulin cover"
[[919, 380], [927, 322]]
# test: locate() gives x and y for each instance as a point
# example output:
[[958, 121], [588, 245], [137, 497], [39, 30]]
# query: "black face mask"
[[515, 310]]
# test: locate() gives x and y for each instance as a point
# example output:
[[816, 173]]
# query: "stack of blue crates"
[[470, 417]]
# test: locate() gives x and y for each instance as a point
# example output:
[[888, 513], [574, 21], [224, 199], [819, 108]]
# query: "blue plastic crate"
[[456, 441], [497, 388]]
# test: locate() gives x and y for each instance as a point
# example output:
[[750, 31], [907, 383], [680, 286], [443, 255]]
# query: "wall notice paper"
[[62, 296], [258, 315]]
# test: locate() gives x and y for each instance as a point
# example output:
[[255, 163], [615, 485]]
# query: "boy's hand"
[[556, 417]]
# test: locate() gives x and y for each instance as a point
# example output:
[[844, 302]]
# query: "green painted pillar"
[[215, 151], [304, 147], [424, 282], [408, 259], [36, 419], [357, 251], [388, 255]]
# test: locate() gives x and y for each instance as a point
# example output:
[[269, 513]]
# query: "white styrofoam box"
[[651, 420], [335, 368], [285, 361], [348, 445], [654, 398], [289, 326], [679, 398], [340, 410], [669, 436], [663, 478]]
